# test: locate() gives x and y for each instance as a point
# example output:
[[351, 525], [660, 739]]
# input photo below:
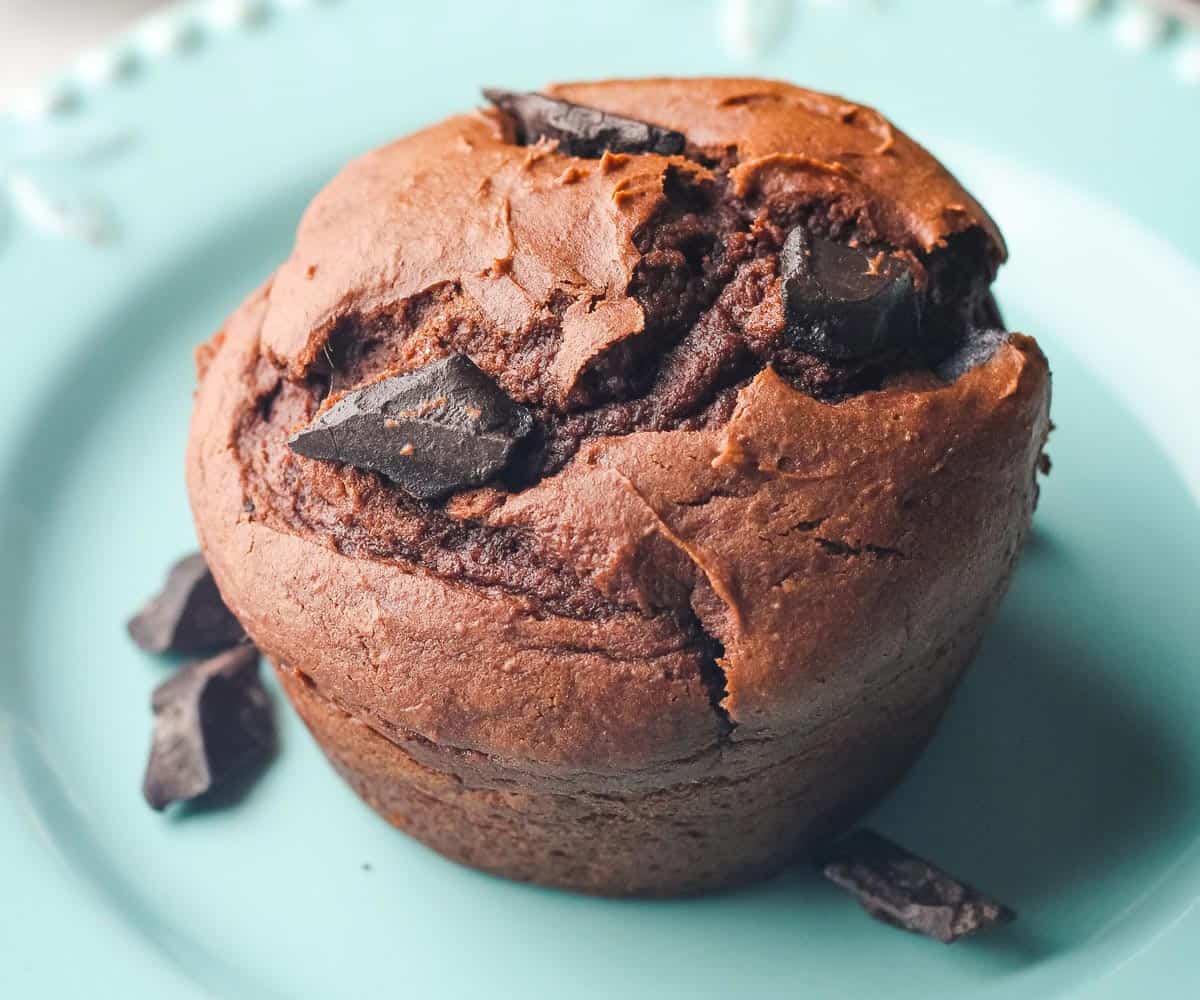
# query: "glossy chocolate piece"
[[580, 130], [846, 304], [909, 892], [443, 428], [212, 722], [188, 615]]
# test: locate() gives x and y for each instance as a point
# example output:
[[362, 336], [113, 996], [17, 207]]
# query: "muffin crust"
[[721, 562]]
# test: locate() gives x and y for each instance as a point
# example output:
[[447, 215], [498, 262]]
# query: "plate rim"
[[60, 101]]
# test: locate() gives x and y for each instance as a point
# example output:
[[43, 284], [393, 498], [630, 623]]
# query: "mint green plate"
[[1067, 776]]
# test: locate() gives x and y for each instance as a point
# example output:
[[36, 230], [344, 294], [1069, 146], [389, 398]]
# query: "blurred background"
[[38, 37]]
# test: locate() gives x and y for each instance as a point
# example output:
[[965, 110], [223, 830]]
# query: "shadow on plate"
[[1055, 781], [1061, 779]]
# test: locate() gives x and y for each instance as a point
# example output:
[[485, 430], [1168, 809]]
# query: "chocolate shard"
[[908, 892], [846, 304], [977, 348], [445, 427], [212, 722], [581, 131], [988, 315], [188, 615]]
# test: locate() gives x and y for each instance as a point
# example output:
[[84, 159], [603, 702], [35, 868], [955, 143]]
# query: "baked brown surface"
[[721, 600]]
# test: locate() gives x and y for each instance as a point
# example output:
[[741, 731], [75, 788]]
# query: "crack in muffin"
[[706, 282], [714, 541]]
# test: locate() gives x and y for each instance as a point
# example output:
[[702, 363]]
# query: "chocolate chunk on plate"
[[842, 303], [976, 349], [581, 131], [188, 615], [445, 427], [906, 891], [212, 723]]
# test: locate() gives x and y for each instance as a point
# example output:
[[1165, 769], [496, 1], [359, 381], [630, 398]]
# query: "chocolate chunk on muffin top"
[[633, 292], [746, 495], [579, 284]]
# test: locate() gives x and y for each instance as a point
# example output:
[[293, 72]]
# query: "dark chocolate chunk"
[[908, 892], [976, 349], [212, 722], [439, 429], [580, 130], [845, 304], [988, 315], [188, 616]]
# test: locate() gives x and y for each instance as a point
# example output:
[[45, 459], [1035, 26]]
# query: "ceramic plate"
[[1067, 776]]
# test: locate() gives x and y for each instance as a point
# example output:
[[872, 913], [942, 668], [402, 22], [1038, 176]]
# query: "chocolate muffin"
[[620, 478]]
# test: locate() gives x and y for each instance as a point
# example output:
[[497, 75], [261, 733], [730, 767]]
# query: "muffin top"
[[696, 469], [570, 280]]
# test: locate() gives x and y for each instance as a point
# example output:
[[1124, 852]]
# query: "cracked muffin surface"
[[726, 584]]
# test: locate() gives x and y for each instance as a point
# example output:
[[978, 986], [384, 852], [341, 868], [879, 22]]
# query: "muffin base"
[[687, 838]]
